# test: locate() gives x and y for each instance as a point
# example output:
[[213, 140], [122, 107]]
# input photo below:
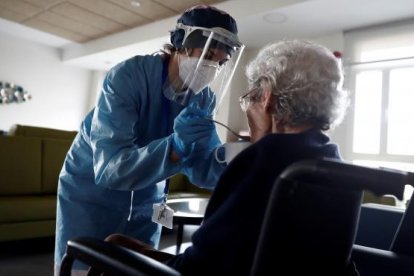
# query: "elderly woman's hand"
[[259, 117]]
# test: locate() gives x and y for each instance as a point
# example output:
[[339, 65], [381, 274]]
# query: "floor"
[[35, 257]]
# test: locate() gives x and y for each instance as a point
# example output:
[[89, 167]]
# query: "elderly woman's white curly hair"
[[306, 80]]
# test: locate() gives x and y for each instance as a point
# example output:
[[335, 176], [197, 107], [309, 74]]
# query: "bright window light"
[[401, 112], [367, 121], [381, 70]]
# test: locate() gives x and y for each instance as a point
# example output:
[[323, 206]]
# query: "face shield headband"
[[224, 37], [209, 63]]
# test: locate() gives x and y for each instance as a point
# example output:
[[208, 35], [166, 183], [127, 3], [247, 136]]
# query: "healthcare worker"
[[151, 122]]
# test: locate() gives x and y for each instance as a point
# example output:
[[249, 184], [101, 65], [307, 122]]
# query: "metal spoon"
[[244, 138]]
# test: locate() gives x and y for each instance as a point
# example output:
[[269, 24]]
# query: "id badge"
[[162, 214]]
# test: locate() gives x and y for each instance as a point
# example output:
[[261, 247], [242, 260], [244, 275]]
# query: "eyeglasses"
[[247, 99]]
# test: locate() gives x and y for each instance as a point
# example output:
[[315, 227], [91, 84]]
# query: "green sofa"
[[181, 187], [30, 162]]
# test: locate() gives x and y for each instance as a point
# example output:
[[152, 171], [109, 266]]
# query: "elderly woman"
[[295, 96]]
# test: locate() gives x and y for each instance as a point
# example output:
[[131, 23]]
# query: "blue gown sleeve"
[[130, 151], [201, 168]]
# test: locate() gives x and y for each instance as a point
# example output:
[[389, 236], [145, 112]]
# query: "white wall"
[[60, 93], [236, 117], [97, 80]]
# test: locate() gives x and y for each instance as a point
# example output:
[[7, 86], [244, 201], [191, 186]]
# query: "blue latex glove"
[[203, 103], [192, 132]]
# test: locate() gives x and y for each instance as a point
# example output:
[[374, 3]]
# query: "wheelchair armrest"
[[378, 262], [111, 259]]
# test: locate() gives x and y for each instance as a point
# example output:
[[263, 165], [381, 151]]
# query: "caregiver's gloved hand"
[[192, 132], [203, 103]]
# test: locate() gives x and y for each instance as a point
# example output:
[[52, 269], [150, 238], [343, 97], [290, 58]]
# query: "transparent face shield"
[[209, 59]]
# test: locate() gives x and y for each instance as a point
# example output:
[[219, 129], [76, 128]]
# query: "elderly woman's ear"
[[268, 100]]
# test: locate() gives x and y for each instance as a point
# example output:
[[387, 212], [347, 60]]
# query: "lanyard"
[[166, 189], [166, 111]]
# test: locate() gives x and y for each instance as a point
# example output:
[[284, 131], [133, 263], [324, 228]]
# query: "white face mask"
[[195, 78]]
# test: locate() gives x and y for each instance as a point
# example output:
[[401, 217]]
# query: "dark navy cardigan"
[[226, 240]]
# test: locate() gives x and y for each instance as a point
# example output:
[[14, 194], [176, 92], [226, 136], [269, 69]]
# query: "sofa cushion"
[[180, 186], [53, 155], [41, 132], [27, 208], [20, 161], [177, 183], [27, 230], [191, 188]]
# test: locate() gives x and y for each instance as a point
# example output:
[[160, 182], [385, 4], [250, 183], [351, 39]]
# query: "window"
[[381, 76], [367, 123]]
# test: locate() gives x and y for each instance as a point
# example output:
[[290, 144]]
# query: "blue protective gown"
[[124, 145]]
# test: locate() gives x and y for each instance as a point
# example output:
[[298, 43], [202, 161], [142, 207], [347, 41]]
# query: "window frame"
[[385, 67]]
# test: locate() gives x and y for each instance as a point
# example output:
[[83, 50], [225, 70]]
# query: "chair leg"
[[179, 237], [66, 265]]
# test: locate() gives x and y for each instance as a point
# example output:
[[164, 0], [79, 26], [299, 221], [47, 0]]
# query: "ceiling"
[[97, 34], [84, 20]]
